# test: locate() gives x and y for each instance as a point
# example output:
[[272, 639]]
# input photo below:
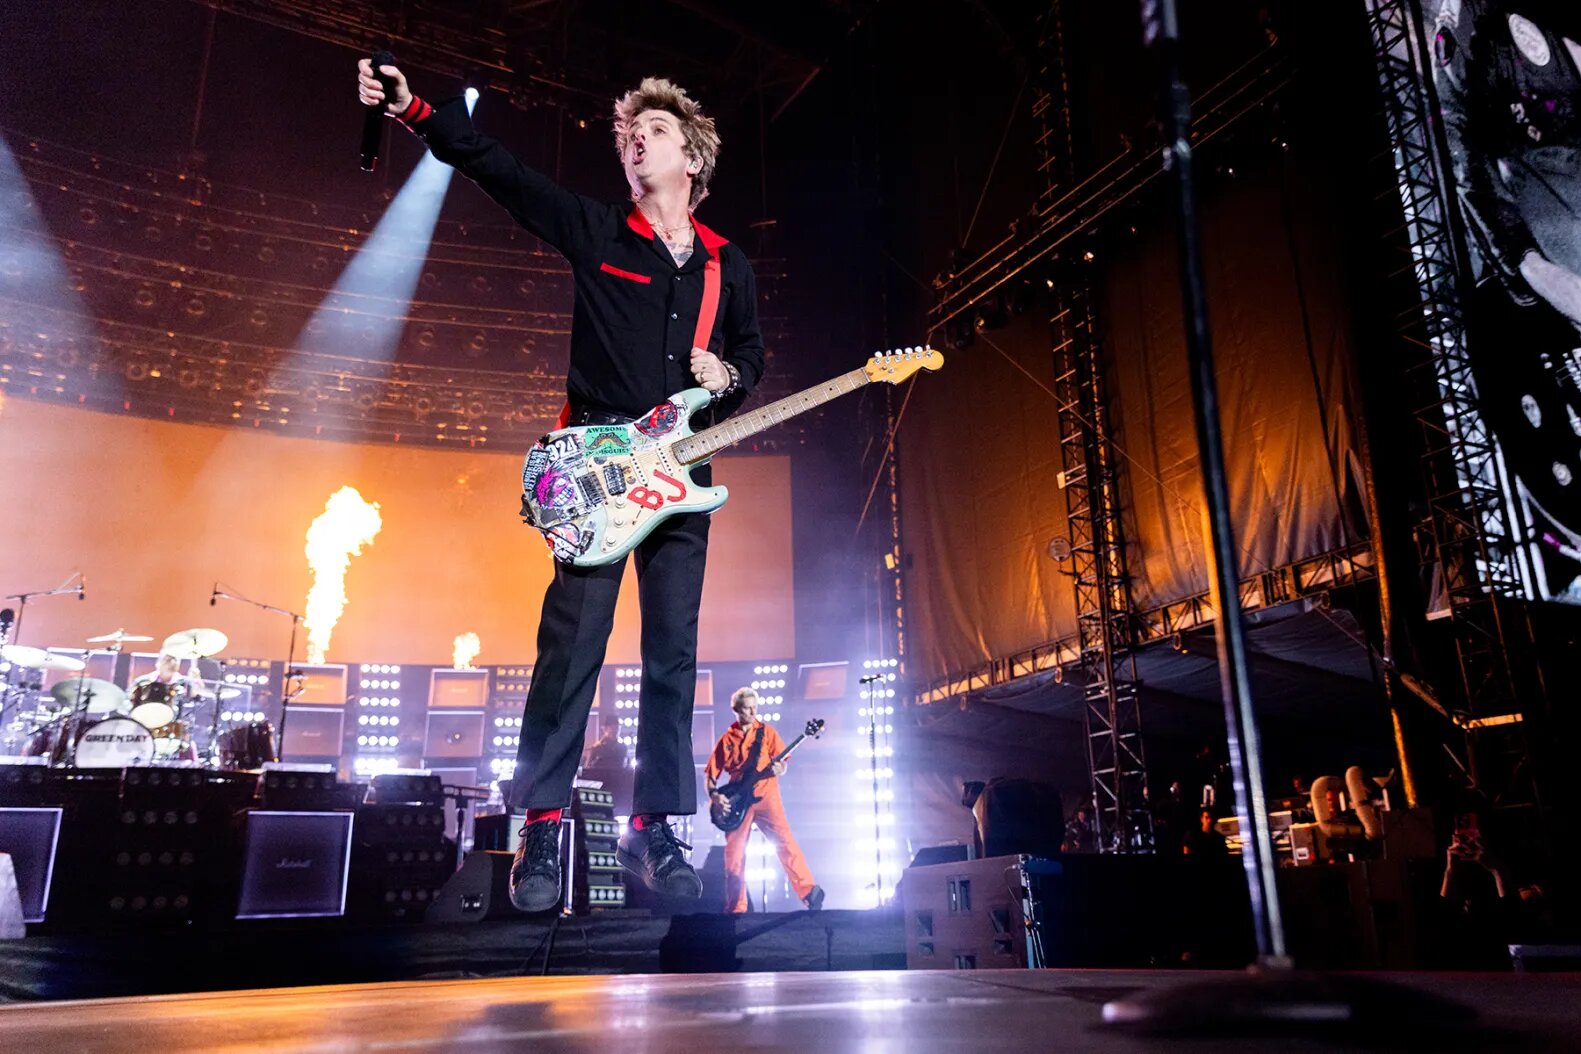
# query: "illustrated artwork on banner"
[[1506, 75]]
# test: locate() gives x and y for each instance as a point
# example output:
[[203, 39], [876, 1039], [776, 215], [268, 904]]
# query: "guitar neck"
[[768, 770], [710, 441]]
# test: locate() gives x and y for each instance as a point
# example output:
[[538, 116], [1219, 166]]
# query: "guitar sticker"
[[532, 471], [566, 541], [661, 420], [555, 490], [606, 441]]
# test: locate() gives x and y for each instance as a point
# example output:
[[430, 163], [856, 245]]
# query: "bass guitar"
[[596, 491], [727, 815]]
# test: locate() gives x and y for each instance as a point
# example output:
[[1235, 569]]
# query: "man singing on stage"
[[662, 304], [750, 745]]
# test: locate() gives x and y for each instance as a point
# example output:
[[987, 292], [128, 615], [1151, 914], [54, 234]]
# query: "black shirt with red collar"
[[635, 312]]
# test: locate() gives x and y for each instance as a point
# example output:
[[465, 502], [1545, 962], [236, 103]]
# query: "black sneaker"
[[535, 874], [653, 854], [814, 899]]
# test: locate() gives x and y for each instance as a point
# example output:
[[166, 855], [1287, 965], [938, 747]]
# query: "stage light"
[[472, 98]]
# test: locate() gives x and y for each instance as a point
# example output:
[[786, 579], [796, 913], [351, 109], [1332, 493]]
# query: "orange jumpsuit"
[[730, 756]]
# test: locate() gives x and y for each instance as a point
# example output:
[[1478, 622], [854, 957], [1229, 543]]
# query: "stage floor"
[[868, 1011]]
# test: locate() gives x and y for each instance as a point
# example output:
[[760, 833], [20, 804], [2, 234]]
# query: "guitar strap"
[[754, 752], [705, 323]]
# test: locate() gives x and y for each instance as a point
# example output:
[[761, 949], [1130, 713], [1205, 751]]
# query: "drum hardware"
[[286, 688], [200, 643], [118, 638], [90, 695], [39, 659], [66, 588]]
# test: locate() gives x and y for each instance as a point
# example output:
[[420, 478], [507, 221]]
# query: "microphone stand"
[[1272, 997], [22, 599], [290, 659]]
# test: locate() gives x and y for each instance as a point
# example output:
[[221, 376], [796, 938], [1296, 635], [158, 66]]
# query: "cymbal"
[[195, 643], [103, 696], [118, 637], [39, 659]]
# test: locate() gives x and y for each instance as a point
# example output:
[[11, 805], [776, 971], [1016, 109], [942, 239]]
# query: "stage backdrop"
[[980, 442], [154, 513]]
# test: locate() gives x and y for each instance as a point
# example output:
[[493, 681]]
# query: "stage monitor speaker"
[[967, 914], [30, 837], [479, 890], [312, 732], [454, 735], [948, 853], [295, 865]]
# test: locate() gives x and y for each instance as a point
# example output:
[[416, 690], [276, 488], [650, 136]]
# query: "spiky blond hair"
[[702, 139]]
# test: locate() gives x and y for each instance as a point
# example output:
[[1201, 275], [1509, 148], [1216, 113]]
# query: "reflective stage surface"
[[867, 1011]]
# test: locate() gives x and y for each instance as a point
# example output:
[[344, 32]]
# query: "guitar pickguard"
[[596, 491]]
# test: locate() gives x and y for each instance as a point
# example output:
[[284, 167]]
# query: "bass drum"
[[116, 743], [155, 704], [247, 747]]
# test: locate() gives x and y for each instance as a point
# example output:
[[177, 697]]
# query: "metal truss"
[[1090, 478], [1315, 577], [561, 53], [1475, 545], [1071, 207], [1117, 761]]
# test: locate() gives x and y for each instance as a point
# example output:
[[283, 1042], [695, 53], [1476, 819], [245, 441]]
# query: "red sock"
[[534, 815], [639, 822]]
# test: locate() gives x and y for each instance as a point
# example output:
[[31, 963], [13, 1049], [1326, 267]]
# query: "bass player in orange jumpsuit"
[[746, 742]]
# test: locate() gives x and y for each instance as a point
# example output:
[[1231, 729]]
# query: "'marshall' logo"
[[288, 864]]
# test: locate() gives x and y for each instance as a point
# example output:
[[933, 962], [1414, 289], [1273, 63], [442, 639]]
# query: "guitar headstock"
[[896, 365], [814, 727]]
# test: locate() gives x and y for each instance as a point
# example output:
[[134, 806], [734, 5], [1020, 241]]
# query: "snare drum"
[[247, 746], [154, 703], [115, 744]]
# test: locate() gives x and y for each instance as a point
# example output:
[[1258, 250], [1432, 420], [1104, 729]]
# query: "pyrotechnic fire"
[[466, 649], [347, 523]]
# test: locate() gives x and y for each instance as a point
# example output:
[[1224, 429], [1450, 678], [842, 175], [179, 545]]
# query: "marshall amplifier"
[[295, 864]]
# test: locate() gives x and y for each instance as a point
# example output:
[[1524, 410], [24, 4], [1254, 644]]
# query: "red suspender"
[[705, 317]]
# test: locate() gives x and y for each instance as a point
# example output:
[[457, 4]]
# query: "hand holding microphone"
[[379, 82], [385, 87]]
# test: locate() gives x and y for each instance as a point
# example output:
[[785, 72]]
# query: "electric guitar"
[[727, 815], [596, 491]]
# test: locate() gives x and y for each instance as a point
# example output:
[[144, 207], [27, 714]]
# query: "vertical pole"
[[1161, 28]]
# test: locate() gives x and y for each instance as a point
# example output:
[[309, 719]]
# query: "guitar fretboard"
[[707, 443]]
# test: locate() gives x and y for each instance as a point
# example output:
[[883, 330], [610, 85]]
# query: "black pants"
[[578, 614]]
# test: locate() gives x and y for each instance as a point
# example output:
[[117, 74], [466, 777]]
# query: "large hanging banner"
[[1505, 79]]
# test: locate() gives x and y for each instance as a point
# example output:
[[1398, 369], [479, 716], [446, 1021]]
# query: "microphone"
[[82, 585], [870, 678], [373, 119], [214, 596]]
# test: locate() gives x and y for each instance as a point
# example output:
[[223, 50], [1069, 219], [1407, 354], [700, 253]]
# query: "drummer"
[[164, 682], [167, 671]]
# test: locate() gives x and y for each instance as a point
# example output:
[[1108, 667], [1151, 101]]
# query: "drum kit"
[[50, 708]]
